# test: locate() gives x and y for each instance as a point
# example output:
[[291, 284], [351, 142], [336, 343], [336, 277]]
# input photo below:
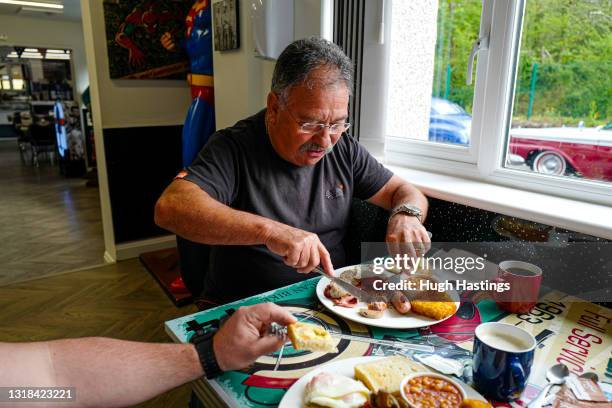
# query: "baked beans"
[[432, 392]]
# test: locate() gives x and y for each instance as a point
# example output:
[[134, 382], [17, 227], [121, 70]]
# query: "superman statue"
[[200, 121]]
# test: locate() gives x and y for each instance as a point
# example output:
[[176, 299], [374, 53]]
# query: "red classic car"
[[585, 152]]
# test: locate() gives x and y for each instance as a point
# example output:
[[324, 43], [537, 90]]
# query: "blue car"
[[449, 123]]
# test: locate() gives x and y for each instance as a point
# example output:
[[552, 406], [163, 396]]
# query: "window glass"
[[561, 115], [429, 99]]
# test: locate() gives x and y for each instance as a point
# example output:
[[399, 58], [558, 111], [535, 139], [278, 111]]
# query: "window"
[[429, 99], [563, 92], [542, 70]]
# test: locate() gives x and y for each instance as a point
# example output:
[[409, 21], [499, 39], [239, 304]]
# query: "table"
[[568, 330]]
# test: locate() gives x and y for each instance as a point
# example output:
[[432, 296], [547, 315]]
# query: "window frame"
[[494, 85]]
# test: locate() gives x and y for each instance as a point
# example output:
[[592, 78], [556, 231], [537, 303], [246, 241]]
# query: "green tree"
[[570, 40]]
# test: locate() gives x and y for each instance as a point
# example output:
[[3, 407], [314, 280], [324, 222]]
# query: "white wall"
[[39, 32], [242, 81]]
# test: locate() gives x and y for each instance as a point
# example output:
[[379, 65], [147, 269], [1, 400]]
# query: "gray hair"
[[301, 57]]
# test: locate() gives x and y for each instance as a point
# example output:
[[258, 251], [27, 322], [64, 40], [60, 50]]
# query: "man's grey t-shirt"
[[240, 168]]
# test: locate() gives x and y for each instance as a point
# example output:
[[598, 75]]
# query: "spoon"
[[556, 376]]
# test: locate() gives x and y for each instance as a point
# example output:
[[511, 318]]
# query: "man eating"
[[272, 193]]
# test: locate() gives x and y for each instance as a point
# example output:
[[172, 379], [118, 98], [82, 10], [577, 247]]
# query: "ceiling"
[[72, 11]]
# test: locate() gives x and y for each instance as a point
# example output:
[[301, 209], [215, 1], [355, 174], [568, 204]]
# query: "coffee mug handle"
[[492, 293], [518, 374]]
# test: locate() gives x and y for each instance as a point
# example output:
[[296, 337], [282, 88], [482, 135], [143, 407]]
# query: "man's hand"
[[243, 338], [406, 235], [300, 249]]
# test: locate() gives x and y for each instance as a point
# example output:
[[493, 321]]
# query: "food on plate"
[[383, 399], [387, 373], [378, 305], [429, 303], [432, 391], [375, 310], [400, 302], [352, 276], [335, 391], [371, 314], [471, 403], [434, 310], [339, 296], [422, 293], [305, 336]]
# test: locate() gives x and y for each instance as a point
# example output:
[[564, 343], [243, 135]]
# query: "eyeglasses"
[[313, 128]]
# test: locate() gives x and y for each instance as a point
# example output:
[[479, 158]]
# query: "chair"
[[43, 140], [193, 264]]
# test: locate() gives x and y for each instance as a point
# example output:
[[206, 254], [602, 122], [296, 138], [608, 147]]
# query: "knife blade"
[[359, 293]]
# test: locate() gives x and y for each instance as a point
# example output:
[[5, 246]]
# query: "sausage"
[[400, 302]]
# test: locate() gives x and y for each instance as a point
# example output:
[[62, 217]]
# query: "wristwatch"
[[203, 342], [408, 209]]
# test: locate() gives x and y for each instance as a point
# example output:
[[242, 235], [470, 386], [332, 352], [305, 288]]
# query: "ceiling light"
[[58, 56], [41, 4], [45, 10]]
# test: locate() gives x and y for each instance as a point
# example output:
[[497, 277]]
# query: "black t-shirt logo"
[[336, 192]]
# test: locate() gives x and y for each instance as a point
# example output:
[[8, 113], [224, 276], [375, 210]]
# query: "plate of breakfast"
[[394, 309], [376, 382]]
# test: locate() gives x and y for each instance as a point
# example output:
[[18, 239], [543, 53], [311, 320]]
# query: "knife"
[[390, 343], [359, 293]]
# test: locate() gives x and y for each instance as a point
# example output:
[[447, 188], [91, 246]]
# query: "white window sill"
[[592, 219]]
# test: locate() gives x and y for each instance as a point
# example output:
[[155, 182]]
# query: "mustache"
[[315, 146]]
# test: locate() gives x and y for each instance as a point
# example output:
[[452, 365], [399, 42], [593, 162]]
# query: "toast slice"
[[387, 373], [305, 336]]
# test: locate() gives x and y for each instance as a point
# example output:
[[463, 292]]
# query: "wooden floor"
[[120, 301], [48, 223]]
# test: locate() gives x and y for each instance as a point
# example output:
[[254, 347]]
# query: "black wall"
[[141, 162]]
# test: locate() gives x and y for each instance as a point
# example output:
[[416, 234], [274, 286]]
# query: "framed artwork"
[[226, 25], [143, 38]]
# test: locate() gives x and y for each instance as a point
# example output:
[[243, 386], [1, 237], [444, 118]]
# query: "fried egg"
[[335, 391]]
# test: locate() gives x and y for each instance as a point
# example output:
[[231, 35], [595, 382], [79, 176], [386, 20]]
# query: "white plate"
[[390, 320], [294, 397]]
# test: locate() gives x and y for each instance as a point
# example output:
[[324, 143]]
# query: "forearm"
[[186, 210], [116, 373], [396, 192], [407, 193], [104, 372]]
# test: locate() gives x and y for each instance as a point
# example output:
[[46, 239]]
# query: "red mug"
[[524, 281]]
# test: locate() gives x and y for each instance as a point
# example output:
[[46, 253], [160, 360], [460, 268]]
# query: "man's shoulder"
[[244, 129], [346, 147], [246, 134]]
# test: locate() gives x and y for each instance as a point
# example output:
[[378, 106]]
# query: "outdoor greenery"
[[568, 43]]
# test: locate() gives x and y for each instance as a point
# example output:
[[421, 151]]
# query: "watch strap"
[[407, 209]]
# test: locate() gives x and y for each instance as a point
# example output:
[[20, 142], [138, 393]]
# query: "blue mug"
[[503, 355]]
